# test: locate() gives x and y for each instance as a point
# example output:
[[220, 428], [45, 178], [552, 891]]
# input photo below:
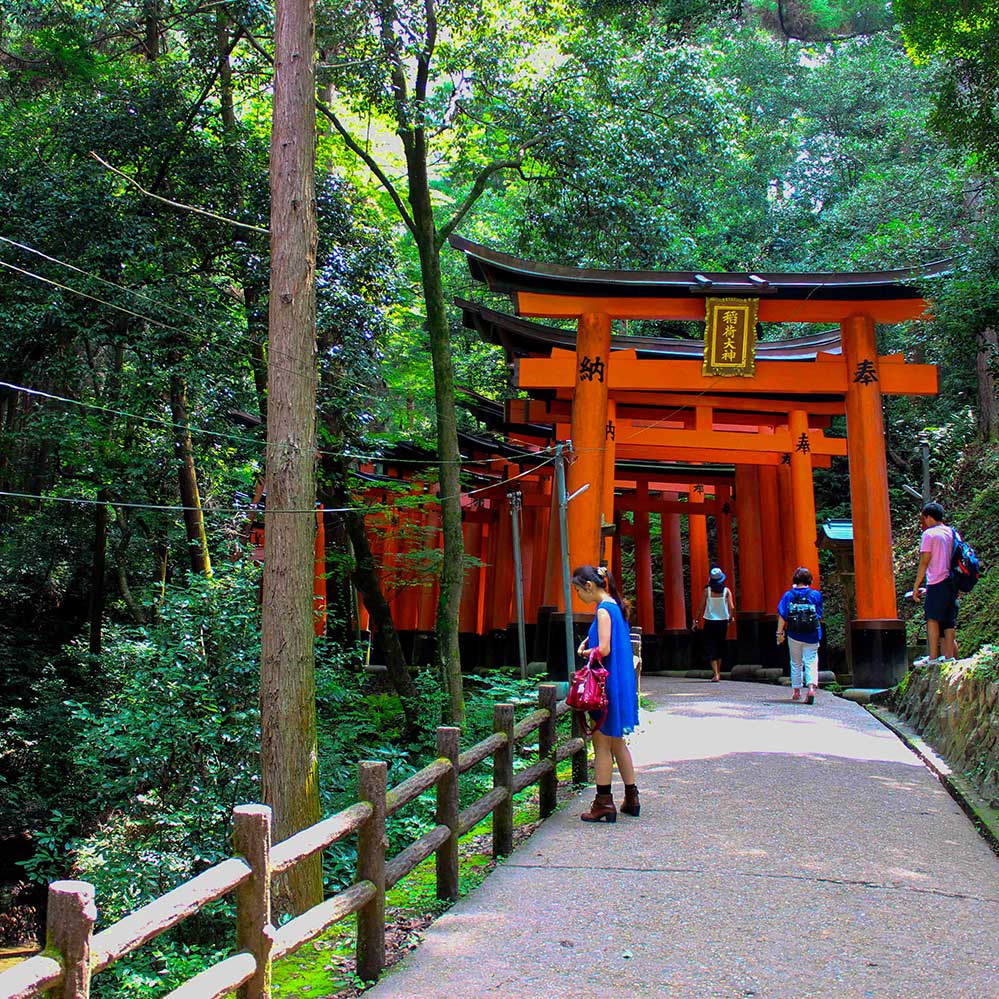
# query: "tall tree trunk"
[[453, 569], [988, 404], [190, 498], [289, 758]]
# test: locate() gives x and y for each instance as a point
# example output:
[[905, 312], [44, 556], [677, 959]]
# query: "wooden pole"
[[589, 440], [69, 930], [503, 777], [448, 743], [468, 616], [872, 546], [697, 535], [751, 598], [608, 543], [803, 496], [371, 846], [774, 583], [547, 739], [676, 614], [252, 840], [785, 494], [726, 557], [643, 565]]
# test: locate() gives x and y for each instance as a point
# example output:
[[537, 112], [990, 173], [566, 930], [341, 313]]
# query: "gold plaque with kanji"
[[730, 337]]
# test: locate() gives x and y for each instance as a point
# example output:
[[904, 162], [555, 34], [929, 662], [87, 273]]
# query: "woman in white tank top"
[[717, 609]]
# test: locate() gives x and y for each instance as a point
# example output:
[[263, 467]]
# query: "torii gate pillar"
[[750, 600], [877, 636], [589, 440]]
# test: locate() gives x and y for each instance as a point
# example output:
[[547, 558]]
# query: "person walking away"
[[940, 607], [799, 619], [609, 632], [717, 609]]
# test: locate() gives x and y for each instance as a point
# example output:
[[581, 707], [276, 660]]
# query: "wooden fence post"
[[548, 785], [372, 844], [69, 929], [580, 767], [503, 777], [448, 744], [251, 836]]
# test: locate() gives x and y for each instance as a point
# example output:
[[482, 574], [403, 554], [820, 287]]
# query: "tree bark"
[[288, 751], [190, 498], [988, 404], [449, 477]]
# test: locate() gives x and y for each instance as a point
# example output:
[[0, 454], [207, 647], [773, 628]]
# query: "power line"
[[178, 508], [252, 440]]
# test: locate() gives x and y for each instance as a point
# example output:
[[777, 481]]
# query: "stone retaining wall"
[[958, 715]]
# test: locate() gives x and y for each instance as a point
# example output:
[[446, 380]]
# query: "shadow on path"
[[782, 851]]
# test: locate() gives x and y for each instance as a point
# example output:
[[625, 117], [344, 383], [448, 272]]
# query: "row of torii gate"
[[652, 433]]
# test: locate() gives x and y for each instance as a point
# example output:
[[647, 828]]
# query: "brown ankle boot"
[[631, 804], [601, 809]]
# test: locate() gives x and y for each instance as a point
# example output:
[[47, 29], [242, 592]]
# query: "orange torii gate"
[[799, 380]]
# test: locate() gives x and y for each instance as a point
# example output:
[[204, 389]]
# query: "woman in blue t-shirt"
[[799, 617], [609, 632]]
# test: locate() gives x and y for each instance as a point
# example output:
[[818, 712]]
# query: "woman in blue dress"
[[609, 632]]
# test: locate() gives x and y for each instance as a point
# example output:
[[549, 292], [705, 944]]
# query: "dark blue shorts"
[[940, 604]]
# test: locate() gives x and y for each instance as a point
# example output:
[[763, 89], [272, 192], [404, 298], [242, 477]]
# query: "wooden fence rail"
[[74, 953]]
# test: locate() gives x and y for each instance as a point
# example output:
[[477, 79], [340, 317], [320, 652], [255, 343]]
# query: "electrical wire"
[[178, 508]]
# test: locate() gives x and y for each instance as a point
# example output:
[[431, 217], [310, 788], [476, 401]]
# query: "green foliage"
[[959, 38]]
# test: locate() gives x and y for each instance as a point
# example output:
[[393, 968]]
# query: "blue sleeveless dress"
[[622, 690]]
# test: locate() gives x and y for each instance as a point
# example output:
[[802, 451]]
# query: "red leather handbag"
[[588, 689]]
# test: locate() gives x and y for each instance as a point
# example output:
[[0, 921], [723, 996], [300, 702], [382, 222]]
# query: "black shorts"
[[940, 604], [714, 638]]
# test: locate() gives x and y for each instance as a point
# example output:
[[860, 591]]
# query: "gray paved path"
[[782, 851]]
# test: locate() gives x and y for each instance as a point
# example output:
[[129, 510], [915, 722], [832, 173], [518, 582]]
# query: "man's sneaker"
[[927, 661], [946, 659]]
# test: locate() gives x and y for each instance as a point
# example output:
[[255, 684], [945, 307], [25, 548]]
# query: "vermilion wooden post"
[[774, 583], [750, 599], [723, 529], [877, 636], [589, 428], [803, 495], [643, 564], [501, 585], [469, 612], [405, 581], [69, 930], [553, 563], [252, 840], [872, 551], [503, 777], [547, 739], [786, 496], [371, 846], [448, 740], [676, 614], [539, 544], [609, 543], [697, 534], [429, 590]]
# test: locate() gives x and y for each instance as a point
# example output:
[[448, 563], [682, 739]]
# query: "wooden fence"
[[74, 953]]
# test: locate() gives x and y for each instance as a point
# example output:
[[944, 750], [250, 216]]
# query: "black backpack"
[[964, 565], [801, 614]]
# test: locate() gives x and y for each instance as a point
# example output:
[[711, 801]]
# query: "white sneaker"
[[927, 661]]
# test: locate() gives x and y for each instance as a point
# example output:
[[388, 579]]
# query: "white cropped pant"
[[804, 656]]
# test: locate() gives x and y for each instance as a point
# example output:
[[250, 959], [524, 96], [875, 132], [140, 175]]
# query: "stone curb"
[[984, 817]]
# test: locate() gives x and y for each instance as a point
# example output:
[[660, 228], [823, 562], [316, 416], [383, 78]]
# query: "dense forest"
[[784, 135]]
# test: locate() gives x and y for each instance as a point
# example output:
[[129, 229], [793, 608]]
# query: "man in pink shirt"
[[936, 549]]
